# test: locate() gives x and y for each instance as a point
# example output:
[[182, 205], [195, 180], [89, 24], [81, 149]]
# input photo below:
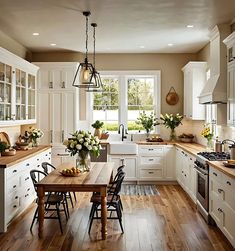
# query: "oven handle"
[[199, 171]]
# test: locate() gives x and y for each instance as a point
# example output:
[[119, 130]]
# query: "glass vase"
[[83, 161], [173, 135], [209, 145], [35, 142]]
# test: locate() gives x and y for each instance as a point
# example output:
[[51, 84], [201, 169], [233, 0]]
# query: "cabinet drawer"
[[12, 210], [151, 174], [215, 174], [151, 150], [13, 185], [12, 198], [228, 182], [151, 160]]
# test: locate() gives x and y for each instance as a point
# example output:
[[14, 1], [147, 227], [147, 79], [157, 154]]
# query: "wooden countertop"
[[6, 161], [219, 166]]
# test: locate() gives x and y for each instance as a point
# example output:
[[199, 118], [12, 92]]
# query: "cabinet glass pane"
[[7, 97], [18, 99], [1, 92], [17, 77], [8, 73], [31, 81], [7, 112], [2, 72], [23, 94], [23, 78], [17, 112], [31, 97], [31, 112], [23, 112], [1, 112]]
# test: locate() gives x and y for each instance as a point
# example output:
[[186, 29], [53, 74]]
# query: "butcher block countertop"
[[6, 161]]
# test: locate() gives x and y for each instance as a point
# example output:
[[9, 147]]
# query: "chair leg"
[[58, 214], [119, 214], [34, 218], [121, 205], [74, 194], [67, 207], [93, 210], [71, 200]]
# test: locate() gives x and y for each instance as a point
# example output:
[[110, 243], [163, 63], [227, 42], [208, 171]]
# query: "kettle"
[[231, 147], [218, 146]]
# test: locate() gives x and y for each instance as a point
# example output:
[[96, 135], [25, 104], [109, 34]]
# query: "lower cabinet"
[[131, 165], [17, 190], [222, 202]]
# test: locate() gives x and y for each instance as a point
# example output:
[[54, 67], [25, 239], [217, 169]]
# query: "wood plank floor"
[[165, 222]]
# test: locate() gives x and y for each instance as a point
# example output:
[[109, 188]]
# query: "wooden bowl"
[[9, 153]]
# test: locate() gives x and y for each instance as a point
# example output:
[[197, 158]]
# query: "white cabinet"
[[17, 90], [56, 75], [231, 94], [222, 202], [57, 115], [130, 168], [170, 163], [194, 81], [17, 190]]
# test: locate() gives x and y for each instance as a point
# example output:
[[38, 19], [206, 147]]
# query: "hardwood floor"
[[166, 222]]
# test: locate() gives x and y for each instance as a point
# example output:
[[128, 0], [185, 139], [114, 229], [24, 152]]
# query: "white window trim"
[[122, 75]]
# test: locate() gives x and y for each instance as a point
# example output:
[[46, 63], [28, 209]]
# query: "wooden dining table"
[[96, 180]]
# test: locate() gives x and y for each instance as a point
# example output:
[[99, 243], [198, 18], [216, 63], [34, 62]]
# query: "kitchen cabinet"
[[17, 90], [222, 202], [56, 75], [170, 163], [185, 172], [57, 115], [130, 168], [194, 81], [17, 190]]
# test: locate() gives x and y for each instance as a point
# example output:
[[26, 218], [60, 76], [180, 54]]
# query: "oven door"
[[202, 188]]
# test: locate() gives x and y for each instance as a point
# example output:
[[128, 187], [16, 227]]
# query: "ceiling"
[[124, 26]]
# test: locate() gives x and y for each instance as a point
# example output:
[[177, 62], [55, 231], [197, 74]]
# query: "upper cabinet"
[[194, 81], [17, 90], [230, 43], [56, 76]]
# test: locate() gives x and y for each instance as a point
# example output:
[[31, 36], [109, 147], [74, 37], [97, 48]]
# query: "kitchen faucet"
[[123, 130]]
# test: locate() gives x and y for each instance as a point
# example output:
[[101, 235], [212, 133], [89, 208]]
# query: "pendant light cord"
[[94, 47], [86, 36]]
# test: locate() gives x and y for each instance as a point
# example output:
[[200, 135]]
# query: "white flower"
[[65, 142], [81, 140], [89, 148], [94, 148], [72, 145], [86, 144], [78, 146]]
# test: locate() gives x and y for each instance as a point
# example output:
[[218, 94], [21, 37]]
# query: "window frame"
[[122, 77]]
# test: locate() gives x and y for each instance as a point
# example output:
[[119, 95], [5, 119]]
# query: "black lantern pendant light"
[[95, 76], [85, 69]]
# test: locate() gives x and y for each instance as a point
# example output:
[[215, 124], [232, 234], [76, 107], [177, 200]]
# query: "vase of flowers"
[[147, 121], [83, 143], [171, 121], [34, 136], [208, 134]]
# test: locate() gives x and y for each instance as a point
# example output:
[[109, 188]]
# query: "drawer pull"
[[220, 190], [26, 195], [151, 159], [28, 189], [27, 164], [229, 183], [150, 149], [215, 174], [37, 159], [151, 172], [38, 165], [15, 171], [14, 206], [14, 186], [26, 178], [185, 175], [191, 159], [16, 197], [220, 210]]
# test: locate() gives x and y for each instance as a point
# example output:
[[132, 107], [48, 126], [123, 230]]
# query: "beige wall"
[[13, 46], [169, 64]]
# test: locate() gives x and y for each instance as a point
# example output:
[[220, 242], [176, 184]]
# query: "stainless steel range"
[[202, 169]]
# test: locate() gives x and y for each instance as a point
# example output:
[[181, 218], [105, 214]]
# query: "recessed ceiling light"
[[53, 44], [142, 46], [189, 26], [35, 34], [170, 44]]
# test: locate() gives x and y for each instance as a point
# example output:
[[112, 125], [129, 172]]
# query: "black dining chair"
[[45, 166], [113, 203], [53, 201]]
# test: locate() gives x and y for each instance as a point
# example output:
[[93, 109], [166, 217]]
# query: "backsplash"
[[13, 133]]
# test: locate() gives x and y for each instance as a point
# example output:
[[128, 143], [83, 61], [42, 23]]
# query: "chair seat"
[[96, 198], [53, 198]]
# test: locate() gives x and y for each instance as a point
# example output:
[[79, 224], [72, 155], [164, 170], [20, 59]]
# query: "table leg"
[[104, 213], [40, 193]]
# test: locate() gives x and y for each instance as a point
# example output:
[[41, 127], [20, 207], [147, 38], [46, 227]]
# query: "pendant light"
[[95, 76], [85, 69]]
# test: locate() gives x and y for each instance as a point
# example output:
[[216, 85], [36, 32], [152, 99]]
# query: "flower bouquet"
[[34, 135], [208, 134], [83, 143], [171, 121]]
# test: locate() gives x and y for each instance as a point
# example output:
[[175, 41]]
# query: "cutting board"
[[4, 137]]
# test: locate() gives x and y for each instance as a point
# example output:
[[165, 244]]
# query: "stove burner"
[[215, 155]]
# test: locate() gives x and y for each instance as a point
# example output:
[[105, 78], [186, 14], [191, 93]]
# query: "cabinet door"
[[43, 117], [170, 166], [56, 117], [215, 209], [45, 79], [130, 168], [178, 163]]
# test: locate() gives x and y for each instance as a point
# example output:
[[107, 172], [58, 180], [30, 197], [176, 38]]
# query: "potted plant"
[[3, 146], [171, 121], [34, 135], [97, 125], [208, 134], [147, 121], [83, 143]]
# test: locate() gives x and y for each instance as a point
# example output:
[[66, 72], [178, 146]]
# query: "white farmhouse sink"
[[122, 147]]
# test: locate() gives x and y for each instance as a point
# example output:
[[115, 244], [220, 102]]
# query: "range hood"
[[215, 89]]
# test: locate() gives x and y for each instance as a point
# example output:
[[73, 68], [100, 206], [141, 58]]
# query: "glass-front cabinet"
[[17, 90]]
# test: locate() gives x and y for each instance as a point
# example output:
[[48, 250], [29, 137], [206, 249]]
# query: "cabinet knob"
[[215, 174], [14, 186], [15, 171], [220, 190], [51, 85], [63, 85], [220, 210], [229, 183], [151, 172], [14, 206]]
